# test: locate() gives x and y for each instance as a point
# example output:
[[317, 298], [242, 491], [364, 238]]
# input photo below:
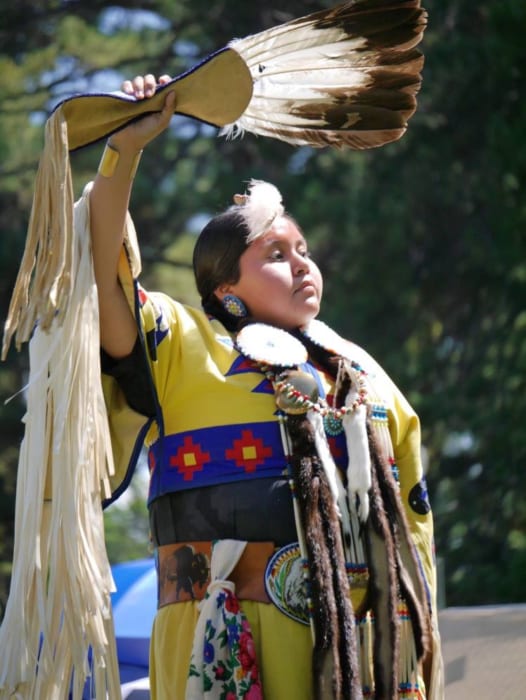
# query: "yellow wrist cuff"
[[110, 158]]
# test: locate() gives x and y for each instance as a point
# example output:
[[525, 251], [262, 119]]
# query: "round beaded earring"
[[234, 306]]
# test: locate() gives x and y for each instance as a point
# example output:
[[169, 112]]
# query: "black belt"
[[252, 510]]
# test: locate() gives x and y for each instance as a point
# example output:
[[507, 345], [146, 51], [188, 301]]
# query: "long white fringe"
[[59, 604]]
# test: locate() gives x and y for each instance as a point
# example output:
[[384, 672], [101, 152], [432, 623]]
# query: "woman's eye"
[[304, 253], [276, 255]]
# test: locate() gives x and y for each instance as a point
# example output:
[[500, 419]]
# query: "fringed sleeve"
[[59, 605]]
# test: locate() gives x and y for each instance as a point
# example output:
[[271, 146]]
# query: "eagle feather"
[[346, 76]]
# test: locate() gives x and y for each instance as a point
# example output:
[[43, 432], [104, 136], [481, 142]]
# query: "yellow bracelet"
[[110, 158]]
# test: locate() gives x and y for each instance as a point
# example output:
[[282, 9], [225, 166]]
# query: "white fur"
[[262, 206], [359, 467], [324, 453]]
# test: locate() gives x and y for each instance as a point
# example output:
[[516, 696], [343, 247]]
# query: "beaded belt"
[[184, 571]]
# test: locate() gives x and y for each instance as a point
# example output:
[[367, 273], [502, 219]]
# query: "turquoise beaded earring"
[[234, 306]]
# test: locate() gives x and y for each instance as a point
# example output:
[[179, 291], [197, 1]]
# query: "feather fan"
[[346, 76]]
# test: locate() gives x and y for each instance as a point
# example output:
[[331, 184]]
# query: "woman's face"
[[278, 281]]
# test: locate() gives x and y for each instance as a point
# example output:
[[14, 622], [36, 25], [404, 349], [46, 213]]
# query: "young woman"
[[287, 503]]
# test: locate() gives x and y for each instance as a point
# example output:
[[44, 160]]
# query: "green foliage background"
[[422, 242]]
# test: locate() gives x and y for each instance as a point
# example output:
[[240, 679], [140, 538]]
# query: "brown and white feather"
[[347, 76]]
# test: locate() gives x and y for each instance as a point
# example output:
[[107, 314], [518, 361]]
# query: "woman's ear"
[[222, 291]]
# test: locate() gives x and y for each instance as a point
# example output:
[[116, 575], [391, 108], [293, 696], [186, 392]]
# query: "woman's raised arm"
[[109, 201]]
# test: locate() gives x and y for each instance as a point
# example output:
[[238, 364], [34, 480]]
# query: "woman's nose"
[[300, 264]]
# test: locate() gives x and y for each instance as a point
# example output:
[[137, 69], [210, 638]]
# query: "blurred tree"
[[126, 522], [421, 242]]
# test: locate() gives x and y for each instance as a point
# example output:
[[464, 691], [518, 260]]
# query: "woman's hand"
[[109, 200], [143, 85], [137, 135]]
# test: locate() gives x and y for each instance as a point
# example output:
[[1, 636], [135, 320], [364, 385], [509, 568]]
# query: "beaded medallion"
[[297, 391]]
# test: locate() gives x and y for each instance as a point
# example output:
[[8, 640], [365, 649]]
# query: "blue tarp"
[[134, 605]]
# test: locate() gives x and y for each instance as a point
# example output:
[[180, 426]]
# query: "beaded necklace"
[[278, 355], [296, 391]]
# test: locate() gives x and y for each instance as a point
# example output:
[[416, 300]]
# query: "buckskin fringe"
[[43, 284], [59, 603]]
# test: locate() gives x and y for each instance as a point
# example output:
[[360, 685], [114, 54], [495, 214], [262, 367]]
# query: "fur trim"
[[393, 570], [335, 660], [410, 579], [383, 590]]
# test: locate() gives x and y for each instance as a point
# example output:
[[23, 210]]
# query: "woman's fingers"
[[149, 85], [127, 87], [143, 85], [136, 135]]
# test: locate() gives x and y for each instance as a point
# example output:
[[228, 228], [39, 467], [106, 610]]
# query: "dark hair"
[[216, 260]]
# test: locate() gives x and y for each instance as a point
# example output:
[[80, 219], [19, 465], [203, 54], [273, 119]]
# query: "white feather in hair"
[[259, 208], [345, 76]]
